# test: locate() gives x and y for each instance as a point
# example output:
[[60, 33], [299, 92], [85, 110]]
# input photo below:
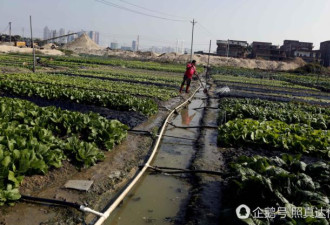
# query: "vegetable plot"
[[291, 113], [294, 127], [35, 139], [115, 101], [285, 182], [96, 84], [275, 135]]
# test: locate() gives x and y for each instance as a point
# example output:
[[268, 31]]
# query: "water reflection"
[[185, 117]]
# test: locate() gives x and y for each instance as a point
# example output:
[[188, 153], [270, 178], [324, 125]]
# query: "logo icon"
[[243, 212]]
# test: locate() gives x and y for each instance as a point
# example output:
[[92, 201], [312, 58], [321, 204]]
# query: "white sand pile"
[[13, 49], [202, 60], [83, 44]]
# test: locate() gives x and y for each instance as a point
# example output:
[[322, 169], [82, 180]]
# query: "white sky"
[[250, 20]]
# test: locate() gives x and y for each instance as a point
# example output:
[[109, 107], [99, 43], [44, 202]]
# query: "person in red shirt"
[[190, 71]]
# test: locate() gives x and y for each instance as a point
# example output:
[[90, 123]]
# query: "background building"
[[266, 50], [71, 37], [325, 53], [126, 48], [114, 45], [134, 46], [63, 39], [304, 50], [95, 36], [47, 33], [232, 48]]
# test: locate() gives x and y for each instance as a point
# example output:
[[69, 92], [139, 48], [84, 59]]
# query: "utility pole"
[[208, 62], [192, 39], [9, 32], [32, 44]]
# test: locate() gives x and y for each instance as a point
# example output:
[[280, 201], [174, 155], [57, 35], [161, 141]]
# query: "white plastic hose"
[[145, 167]]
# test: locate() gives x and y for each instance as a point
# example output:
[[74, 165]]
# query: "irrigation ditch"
[[180, 182]]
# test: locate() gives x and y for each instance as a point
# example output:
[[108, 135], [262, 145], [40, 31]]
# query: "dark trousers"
[[185, 79]]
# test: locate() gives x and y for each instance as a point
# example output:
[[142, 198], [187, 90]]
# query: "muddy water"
[[157, 199]]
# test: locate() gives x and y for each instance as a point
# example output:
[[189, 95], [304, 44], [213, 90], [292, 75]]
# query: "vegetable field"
[[275, 137], [35, 140]]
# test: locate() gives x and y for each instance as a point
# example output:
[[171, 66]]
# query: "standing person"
[[190, 71]]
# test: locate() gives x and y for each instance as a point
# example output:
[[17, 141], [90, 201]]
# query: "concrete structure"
[[47, 33], [71, 37], [63, 39], [325, 53], [304, 50], [134, 46], [232, 48], [54, 34], [126, 48], [266, 50], [95, 36], [114, 45]]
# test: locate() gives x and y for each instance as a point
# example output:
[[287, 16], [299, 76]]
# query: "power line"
[[137, 12], [5, 29], [150, 10], [205, 29]]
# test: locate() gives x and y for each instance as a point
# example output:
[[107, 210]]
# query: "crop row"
[[279, 187], [311, 80], [292, 97], [114, 101], [34, 139], [275, 135], [121, 75], [291, 113], [251, 80], [294, 127], [97, 84]]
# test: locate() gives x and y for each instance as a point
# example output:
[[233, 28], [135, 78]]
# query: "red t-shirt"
[[190, 70]]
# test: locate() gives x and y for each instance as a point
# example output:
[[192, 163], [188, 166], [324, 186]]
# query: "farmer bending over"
[[190, 71]]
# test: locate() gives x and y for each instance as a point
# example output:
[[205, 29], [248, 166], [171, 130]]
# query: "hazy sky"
[[250, 20]]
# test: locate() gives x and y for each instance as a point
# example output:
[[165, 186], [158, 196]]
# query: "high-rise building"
[[95, 36], [63, 39], [71, 37], [47, 33], [53, 35], [134, 46]]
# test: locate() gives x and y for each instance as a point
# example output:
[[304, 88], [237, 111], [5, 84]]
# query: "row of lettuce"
[[118, 95], [284, 181], [35, 139]]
